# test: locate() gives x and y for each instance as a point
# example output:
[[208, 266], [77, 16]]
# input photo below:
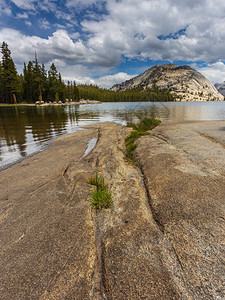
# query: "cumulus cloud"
[[134, 32], [214, 72], [188, 32], [103, 81], [169, 30], [109, 80], [78, 72], [58, 46]]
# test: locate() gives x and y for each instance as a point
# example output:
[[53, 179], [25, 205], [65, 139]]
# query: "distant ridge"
[[220, 88], [184, 82]]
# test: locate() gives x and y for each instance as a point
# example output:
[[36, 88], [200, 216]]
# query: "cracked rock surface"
[[162, 239], [184, 167]]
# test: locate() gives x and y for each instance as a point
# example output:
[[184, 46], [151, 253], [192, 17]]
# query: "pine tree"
[[53, 80], [30, 91], [76, 96], [35, 83], [62, 90], [37, 71], [68, 91], [10, 79], [1, 86], [44, 83]]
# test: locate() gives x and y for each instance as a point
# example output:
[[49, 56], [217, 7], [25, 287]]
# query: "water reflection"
[[13, 129], [25, 130]]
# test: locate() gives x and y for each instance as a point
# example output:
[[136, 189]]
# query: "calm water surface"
[[26, 130]]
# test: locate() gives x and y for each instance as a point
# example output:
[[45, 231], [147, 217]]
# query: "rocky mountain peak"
[[183, 81]]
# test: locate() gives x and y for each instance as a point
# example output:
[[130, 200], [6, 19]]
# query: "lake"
[[25, 130]]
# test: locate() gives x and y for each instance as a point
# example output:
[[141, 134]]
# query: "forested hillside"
[[139, 94], [36, 84]]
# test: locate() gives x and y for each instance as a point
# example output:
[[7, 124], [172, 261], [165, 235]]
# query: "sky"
[[107, 42]]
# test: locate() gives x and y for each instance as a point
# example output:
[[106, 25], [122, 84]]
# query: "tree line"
[[36, 84]]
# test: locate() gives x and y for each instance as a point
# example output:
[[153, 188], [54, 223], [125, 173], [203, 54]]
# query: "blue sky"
[[107, 42]]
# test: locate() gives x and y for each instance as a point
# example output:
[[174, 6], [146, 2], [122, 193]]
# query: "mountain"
[[220, 88], [183, 81]]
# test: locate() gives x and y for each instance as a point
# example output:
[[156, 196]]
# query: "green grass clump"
[[101, 197], [145, 125], [98, 180], [139, 130]]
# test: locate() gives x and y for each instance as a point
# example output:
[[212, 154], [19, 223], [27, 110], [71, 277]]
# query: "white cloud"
[[74, 35], [214, 72], [28, 23], [47, 5], [4, 9], [44, 24], [34, 5], [22, 15], [129, 29], [78, 4], [109, 80], [57, 46], [61, 15], [24, 4], [132, 31], [60, 26], [79, 73], [103, 81], [84, 75]]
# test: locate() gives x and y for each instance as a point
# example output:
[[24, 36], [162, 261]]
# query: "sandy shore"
[[162, 239]]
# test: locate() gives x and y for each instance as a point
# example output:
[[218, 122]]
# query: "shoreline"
[[21, 159], [81, 102]]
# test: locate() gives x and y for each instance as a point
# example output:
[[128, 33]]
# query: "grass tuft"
[[101, 196], [98, 181], [145, 125], [139, 130]]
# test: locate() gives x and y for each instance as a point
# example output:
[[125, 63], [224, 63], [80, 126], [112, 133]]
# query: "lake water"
[[27, 130]]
